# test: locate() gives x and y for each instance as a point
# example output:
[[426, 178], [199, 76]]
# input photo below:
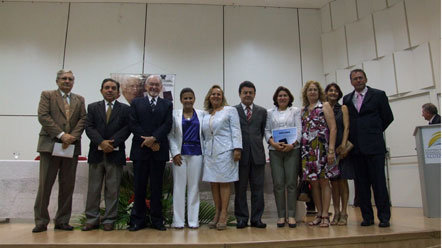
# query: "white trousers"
[[189, 173]]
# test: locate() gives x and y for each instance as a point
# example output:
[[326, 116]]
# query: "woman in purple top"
[[186, 149]]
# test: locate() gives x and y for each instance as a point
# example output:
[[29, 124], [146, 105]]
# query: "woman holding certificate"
[[318, 148], [283, 133]]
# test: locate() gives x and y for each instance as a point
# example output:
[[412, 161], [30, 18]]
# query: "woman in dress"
[[186, 148], [318, 148], [284, 157], [339, 184], [222, 151]]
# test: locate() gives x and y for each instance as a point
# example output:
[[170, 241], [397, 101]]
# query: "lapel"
[[116, 108], [102, 110], [60, 102], [350, 102], [367, 98], [242, 115], [73, 104]]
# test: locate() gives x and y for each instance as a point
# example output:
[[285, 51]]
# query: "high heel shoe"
[[343, 220], [280, 224], [212, 224], [325, 222], [336, 218], [292, 225], [316, 221], [221, 226]]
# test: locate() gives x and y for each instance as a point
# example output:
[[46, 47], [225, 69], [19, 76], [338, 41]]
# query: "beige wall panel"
[[393, 2], [32, 37], [366, 7], [405, 190], [262, 46], [186, 40], [329, 78], [343, 12], [360, 41], [391, 30], [413, 69], [380, 74], [311, 52], [334, 50], [435, 58], [326, 18], [423, 20], [104, 38]]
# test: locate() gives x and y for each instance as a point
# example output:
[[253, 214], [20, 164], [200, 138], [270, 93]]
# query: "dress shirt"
[[244, 107], [355, 97]]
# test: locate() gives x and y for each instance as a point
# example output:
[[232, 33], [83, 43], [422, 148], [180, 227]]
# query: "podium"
[[428, 147]]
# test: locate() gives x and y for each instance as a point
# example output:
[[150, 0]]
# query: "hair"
[[321, 93], [430, 108], [207, 104], [358, 70], [275, 96], [63, 71], [186, 90], [154, 76], [247, 84], [328, 87], [110, 80]]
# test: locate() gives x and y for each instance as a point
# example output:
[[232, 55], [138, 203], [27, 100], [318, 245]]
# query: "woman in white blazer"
[[284, 158], [185, 141]]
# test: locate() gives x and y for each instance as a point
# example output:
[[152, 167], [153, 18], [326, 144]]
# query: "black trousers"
[[153, 171], [253, 174], [370, 173]]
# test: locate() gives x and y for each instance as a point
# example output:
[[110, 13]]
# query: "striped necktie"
[[249, 113], [108, 112]]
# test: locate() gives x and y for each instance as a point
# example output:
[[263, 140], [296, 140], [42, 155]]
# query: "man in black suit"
[[429, 112], [107, 127], [150, 122], [252, 164], [370, 114]]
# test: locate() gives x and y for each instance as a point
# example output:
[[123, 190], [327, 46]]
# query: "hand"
[[148, 141], [106, 146], [155, 147], [287, 147], [67, 139], [341, 151], [330, 158], [236, 155], [277, 145], [177, 160]]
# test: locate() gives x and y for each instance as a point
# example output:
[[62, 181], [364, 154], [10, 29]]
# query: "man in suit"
[[150, 122], [429, 112], [370, 114], [252, 164], [62, 115], [107, 127]]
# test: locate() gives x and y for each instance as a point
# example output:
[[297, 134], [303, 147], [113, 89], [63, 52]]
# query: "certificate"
[[285, 135], [60, 152]]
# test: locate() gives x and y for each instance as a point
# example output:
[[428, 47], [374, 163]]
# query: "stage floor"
[[407, 226]]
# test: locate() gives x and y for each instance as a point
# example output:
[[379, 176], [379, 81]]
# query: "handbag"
[[303, 191], [347, 149]]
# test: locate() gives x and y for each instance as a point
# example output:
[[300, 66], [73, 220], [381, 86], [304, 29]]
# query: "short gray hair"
[[154, 76], [63, 71]]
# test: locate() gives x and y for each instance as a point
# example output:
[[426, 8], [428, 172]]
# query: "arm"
[[346, 120], [331, 123], [385, 111], [79, 127], [235, 128], [45, 118], [134, 122], [121, 135], [173, 142], [91, 127], [161, 132]]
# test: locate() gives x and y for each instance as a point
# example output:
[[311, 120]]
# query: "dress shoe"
[[367, 222], [88, 227], [39, 228], [159, 227], [258, 224], [134, 228], [241, 224], [108, 227], [64, 227], [384, 224]]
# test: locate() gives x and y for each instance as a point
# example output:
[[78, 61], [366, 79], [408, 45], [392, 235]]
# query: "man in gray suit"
[[107, 127], [62, 116], [252, 164]]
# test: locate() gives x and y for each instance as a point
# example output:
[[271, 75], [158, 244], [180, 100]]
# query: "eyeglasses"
[[67, 78]]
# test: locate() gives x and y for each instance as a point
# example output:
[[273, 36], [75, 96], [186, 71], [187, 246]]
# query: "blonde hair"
[[207, 104], [321, 93]]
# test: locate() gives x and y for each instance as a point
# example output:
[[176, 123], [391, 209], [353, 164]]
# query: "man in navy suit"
[[150, 122], [429, 112], [107, 127], [370, 114]]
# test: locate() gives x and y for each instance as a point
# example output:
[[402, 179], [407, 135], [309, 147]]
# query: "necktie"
[[108, 112], [152, 104], [249, 113], [359, 99], [67, 110]]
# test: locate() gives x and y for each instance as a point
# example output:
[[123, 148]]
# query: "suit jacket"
[[252, 134], [436, 120], [367, 126], [176, 133], [144, 121], [52, 117], [116, 129]]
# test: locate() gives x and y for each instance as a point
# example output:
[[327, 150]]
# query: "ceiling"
[[314, 4]]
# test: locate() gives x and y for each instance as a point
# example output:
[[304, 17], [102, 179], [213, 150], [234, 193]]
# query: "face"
[[312, 93], [131, 88], [110, 91], [283, 99], [332, 94], [427, 116], [188, 99], [247, 95], [358, 81], [154, 86], [216, 98], [65, 82]]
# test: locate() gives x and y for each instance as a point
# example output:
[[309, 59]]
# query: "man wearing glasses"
[[62, 115]]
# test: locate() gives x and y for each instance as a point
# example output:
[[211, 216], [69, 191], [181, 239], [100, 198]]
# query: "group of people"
[[220, 145]]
